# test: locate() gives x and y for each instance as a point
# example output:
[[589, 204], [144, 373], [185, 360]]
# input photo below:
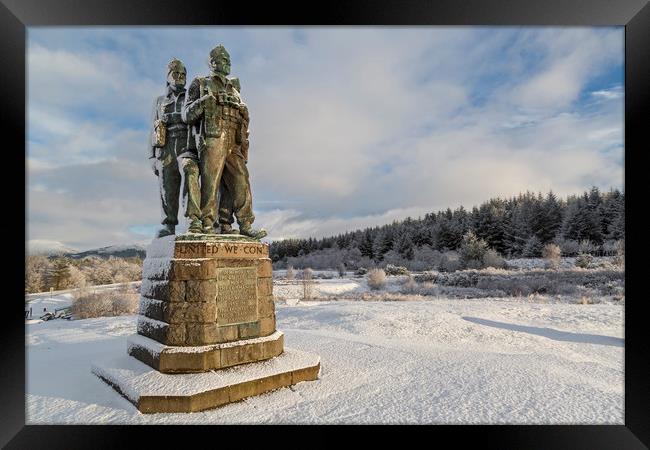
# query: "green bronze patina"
[[219, 127], [214, 237], [170, 153]]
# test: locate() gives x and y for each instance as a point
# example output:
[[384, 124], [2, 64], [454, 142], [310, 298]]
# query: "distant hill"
[[118, 251], [47, 247]]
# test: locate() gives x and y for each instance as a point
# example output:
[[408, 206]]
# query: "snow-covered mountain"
[[119, 251], [47, 247]]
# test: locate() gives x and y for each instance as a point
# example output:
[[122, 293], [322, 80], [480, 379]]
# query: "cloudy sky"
[[350, 126]]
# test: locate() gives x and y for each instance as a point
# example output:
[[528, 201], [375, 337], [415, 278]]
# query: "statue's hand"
[[208, 99]]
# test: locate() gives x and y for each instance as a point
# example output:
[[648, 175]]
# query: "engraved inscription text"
[[236, 295]]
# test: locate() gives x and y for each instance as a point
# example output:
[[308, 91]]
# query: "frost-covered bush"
[[583, 260], [532, 248], [376, 279], [409, 286], [553, 255], [517, 283], [324, 275], [361, 271], [568, 247], [609, 247], [586, 246], [450, 262], [472, 249], [36, 270], [473, 264], [290, 275], [341, 269], [104, 304], [99, 271], [462, 278], [396, 270], [76, 278], [493, 259], [430, 276]]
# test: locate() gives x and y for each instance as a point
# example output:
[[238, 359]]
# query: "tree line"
[[43, 273], [519, 226]]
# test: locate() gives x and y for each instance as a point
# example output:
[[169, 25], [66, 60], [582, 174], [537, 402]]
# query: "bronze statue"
[[169, 149], [219, 125]]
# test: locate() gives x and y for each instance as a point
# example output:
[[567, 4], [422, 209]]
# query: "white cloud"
[[571, 57], [614, 93], [350, 127]]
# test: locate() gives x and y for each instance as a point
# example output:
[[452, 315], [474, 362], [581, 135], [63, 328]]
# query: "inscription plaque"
[[236, 295]]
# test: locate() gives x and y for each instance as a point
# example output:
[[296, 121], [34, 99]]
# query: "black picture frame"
[[16, 15]]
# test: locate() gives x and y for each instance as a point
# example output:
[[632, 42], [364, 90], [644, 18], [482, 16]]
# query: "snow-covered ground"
[[430, 361]]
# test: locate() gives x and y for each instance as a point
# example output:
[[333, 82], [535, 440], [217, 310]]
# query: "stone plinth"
[[201, 290], [206, 328], [169, 359], [154, 392]]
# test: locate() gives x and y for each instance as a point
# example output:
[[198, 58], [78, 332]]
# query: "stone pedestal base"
[[154, 392], [170, 359], [206, 328]]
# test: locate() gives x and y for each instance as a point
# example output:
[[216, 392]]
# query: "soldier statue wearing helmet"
[[218, 120], [170, 148]]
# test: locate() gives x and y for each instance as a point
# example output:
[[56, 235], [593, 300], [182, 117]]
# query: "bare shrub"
[[450, 262], [473, 264], [583, 260], [103, 304], [586, 246], [290, 275], [493, 259], [619, 259], [409, 286], [125, 304], [553, 255], [307, 283], [562, 289], [376, 279], [569, 247]]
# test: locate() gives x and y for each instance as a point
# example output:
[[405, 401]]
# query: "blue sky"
[[350, 126]]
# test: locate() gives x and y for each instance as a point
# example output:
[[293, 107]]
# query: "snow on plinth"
[[152, 391], [187, 359]]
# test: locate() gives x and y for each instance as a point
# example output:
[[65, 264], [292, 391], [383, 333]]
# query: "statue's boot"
[[249, 231], [167, 230], [226, 228], [208, 228], [195, 226]]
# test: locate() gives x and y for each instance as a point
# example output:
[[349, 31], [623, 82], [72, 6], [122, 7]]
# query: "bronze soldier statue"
[[219, 122], [235, 196], [171, 148]]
